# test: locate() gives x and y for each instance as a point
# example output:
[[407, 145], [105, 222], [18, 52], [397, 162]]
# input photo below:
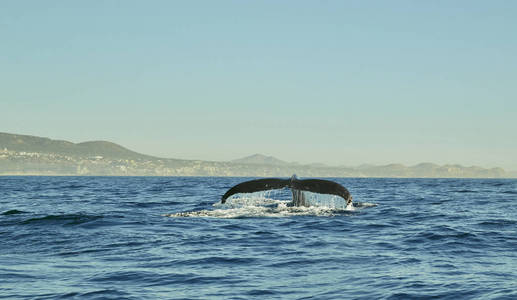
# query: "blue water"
[[163, 238]]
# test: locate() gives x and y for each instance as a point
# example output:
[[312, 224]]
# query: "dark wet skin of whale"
[[297, 186]]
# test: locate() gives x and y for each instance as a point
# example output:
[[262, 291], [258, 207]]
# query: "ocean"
[[170, 238]]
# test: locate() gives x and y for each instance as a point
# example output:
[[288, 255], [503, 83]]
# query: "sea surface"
[[169, 238]]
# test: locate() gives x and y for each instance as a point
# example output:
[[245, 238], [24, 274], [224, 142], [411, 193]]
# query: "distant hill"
[[31, 155], [426, 170], [259, 159], [27, 143]]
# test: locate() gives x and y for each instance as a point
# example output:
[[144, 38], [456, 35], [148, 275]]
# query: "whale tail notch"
[[296, 185]]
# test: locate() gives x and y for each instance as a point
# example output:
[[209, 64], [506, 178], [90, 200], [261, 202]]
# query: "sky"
[[335, 82]]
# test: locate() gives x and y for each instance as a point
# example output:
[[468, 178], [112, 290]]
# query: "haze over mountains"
[[259, 159], [24, 154]]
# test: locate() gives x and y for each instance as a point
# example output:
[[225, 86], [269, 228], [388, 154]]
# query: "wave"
[[465, 191], [65, 219], [151, 279], [13, 212], [497, 223], [510, 192]]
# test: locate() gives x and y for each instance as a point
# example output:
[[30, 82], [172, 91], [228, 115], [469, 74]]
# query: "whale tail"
[[296, 185], [257, 185]]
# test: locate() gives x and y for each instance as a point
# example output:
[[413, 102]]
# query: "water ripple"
[[163, 238]]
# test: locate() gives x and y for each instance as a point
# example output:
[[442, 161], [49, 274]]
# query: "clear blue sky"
[[338, 82]]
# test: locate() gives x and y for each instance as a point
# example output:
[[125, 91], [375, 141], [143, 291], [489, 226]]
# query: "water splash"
[[274, 204]]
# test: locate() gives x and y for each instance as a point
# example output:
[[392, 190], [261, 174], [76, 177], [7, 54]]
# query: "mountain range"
[[27, 143], [24, 154]]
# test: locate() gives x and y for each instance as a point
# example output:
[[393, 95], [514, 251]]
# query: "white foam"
[[253, 207]]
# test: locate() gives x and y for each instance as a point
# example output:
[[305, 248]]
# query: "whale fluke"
[[256, 186], [297, 186], [321, 186]]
